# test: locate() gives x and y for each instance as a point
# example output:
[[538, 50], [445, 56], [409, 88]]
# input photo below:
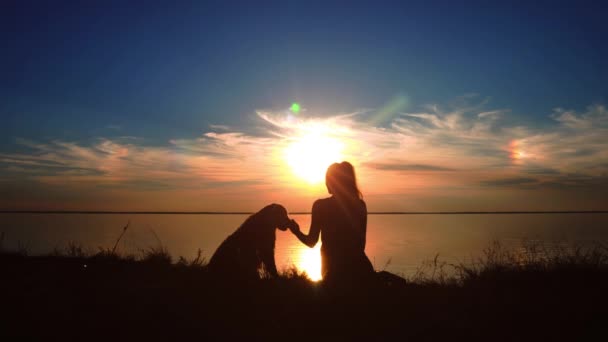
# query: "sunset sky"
[[186, 107]]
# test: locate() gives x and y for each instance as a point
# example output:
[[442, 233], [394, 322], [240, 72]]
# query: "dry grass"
[[533, 293], [497, 261]]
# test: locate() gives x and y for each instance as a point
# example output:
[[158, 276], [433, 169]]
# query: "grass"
[[535, 293]]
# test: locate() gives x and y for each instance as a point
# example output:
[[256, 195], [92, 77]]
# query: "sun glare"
[[310, 262], [310, 154]]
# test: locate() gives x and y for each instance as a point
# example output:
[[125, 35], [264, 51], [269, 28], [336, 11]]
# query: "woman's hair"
[[341, 180]]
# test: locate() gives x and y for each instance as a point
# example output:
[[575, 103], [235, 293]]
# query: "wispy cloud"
[[469, 147], [396, 166], [517, 181]]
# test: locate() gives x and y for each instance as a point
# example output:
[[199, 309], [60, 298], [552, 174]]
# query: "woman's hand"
[[293, 226]]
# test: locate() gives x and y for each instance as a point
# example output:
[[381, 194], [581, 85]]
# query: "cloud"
[[510, 182], [406, 167], [595, 115], [479, 148]]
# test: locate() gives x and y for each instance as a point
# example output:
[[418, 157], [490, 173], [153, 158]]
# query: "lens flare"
[[295, 108]]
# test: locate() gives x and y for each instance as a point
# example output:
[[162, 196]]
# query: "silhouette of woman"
[[341, 220]]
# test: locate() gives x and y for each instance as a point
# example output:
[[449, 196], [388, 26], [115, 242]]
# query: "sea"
[[400, 243]]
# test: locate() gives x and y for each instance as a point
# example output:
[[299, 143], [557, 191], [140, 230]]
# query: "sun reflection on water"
[[309, 261]]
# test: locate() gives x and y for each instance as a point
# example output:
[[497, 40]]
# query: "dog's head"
[[276, 216]]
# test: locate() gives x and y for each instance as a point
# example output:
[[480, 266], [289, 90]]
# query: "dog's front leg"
[[267, 257]]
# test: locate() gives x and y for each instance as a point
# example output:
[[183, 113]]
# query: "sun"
[[312, 152]]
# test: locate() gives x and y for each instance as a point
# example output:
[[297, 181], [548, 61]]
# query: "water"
[[397, 243]]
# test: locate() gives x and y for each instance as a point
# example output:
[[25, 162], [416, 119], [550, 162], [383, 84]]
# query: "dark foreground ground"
[[506, 297]]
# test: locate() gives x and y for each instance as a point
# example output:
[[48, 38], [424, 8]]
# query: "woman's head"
[[340, 180]]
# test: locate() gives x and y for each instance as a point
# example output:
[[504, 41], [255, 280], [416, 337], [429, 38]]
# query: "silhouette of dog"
[[251, 247]]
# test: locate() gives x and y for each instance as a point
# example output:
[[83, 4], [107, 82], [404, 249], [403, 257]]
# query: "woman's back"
[[343, 223], [343, 226]]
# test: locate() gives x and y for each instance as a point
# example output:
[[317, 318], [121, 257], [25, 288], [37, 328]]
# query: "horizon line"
[[108, 212]]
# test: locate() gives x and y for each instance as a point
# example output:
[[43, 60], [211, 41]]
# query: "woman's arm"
[[312, 238]]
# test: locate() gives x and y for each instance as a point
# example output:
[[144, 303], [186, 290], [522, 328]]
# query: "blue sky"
[[158, 72]]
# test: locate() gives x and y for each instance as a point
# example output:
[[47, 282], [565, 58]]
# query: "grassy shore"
[[532, 294]]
